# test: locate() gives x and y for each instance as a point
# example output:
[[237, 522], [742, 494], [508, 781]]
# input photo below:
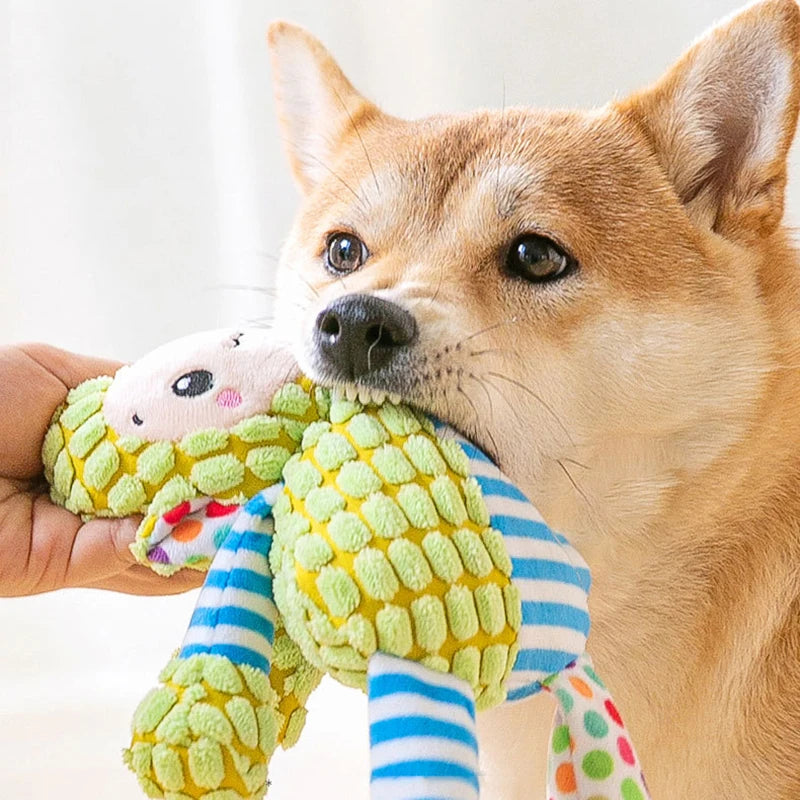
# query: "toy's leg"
[[236, 617], [591, 754], [422, 733], [235, 614], [214, 722]]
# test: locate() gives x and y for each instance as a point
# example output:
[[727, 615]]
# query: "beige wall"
[[141, 169]]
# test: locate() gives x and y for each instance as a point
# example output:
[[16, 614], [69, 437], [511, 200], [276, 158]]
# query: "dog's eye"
[[345, 252], [538, 259], [193, 383]]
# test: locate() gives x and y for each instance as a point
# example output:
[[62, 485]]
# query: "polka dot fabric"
[[190, 534], [591, 755]]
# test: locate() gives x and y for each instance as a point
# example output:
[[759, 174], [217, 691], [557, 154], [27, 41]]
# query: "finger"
[[70, 368], [143, 581], [65, 552], [34, 380], [132, 577], [101, 550], [100, 556], [44, 547]]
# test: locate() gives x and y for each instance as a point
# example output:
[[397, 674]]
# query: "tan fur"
[[648, 404]]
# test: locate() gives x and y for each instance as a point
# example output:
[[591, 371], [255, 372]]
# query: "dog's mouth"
[[375, 396], [366, 395], [414, 380]]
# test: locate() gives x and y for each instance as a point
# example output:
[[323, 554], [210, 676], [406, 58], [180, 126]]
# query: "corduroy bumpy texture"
[[383, 543], [95, 473], [355, 541], [192, 737], [209, 731]]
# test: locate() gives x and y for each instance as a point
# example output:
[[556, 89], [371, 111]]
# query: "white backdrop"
[[140, 172]]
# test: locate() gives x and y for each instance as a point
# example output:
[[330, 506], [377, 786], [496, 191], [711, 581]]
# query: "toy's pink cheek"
[[229, 398]]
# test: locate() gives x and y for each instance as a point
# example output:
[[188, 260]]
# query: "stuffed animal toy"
[[371, 543]]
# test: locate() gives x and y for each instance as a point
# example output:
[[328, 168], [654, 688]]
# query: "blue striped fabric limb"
[[423, 742], [552, 578], [235, 614]]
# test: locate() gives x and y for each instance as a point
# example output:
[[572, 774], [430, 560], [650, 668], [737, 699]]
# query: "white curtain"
[[141, 175]]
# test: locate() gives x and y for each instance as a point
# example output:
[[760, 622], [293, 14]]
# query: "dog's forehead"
[[490, 161]]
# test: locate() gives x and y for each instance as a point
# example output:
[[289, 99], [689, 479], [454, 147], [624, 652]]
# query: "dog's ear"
[[317, 105], [722, 119]]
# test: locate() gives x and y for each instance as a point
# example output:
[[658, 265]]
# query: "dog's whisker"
[[340, 278], [511, 407], [365, 206], [572, 481], [243, 287], [536, 397], [576, 463], [488, 328], [476, 414], [372, 347], [495, 350], [358, 133], [501, 143], [486, 391], [308, 283], [485, 431], [267, 255], [438, 286]]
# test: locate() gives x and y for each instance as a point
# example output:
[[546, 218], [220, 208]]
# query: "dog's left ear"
[[722, 119]]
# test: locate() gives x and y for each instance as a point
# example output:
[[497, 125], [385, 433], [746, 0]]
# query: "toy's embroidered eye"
[[237, 339], [137, 420], [538, 259], [345, 253], [193, 383]]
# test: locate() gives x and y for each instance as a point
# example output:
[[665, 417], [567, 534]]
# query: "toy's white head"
[[212, 379]]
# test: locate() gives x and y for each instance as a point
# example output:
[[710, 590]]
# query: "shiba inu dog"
[[607, 302]]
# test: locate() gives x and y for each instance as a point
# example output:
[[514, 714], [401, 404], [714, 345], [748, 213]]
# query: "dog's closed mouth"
[[366, 395]]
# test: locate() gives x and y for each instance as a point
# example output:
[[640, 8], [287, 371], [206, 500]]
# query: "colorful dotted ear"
[[591, 755]]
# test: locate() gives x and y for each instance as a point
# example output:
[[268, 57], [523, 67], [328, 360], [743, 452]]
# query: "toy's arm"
[[591, 754], [423, 741], [215, 722]]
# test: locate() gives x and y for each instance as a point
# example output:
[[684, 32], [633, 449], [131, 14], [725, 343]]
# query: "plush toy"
[[370, 543]]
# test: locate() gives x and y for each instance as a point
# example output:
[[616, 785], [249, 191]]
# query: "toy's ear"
[[722, 119], [317, 105]]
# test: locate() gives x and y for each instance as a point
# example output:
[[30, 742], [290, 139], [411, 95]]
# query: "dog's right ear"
[[722, 119], [317, 105]]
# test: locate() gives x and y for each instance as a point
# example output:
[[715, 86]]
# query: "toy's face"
[[208, 380]]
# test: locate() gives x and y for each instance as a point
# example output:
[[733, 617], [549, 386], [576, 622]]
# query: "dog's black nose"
[[359, 333]]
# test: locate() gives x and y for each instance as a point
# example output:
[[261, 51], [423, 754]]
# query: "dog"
[[607, 302]]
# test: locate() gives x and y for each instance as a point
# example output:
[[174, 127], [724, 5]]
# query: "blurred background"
[[141, 173]]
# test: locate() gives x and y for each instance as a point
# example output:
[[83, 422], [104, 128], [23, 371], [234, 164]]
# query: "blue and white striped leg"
[[235, 615], [423, 743], [214, 722], [551, 577]]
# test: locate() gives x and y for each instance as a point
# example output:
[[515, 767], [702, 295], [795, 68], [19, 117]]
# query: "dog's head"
[[580, 292]]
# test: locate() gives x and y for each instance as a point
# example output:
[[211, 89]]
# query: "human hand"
[[43, 546]]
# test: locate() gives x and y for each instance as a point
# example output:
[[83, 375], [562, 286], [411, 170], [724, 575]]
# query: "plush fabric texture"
[[423, 738], [371, 543], [591, 754], [383, 543], [94, 472], [236, 688]]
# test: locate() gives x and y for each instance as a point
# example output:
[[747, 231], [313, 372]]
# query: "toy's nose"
[[360, 333]]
